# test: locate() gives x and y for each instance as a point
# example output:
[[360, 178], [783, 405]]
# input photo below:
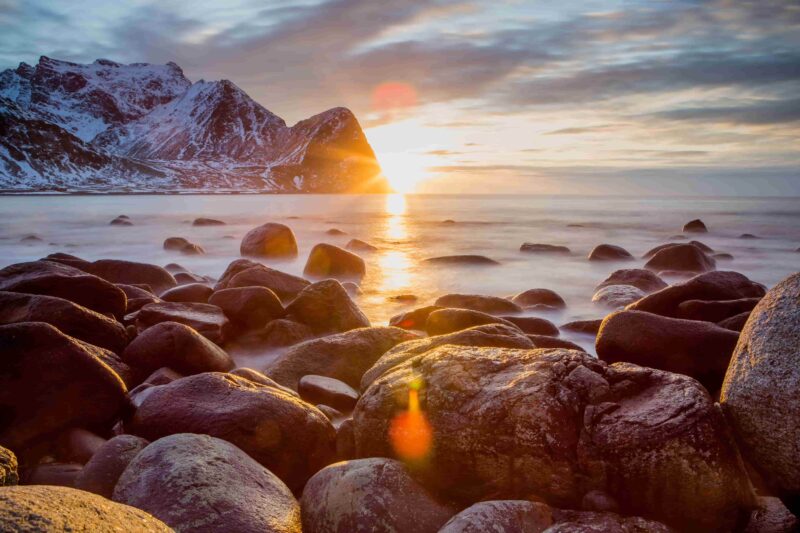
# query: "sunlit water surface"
[[409, 229]]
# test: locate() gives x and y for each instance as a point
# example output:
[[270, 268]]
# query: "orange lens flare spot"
[[409, 432], [393, 95]]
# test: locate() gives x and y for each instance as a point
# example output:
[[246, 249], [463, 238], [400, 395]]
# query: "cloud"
[[759, 113]]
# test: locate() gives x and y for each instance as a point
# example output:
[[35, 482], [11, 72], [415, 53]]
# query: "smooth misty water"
[[409, 229]]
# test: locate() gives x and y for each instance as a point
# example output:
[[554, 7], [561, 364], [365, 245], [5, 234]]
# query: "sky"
[[576, 96]]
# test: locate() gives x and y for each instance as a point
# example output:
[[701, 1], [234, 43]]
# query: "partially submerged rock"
[[329, 261], [461, 260], [682, 258], [536, 248], [695, 226], [270, 240], [449, 320], [534, 297], [616, 296], [492, 305], [609, 252], [640, 278], [326, 307]]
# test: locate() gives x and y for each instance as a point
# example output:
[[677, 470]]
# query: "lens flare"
[[409, 432]]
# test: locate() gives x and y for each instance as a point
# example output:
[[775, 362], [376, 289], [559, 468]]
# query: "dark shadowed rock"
[[326, 307], [588, 327], [56, 474], [545, 341], [204, 484], [285, 286], [328, 391], [269, 240], [121, 221], [533, 325], [276, 334], [501, 516], [43, 508], [278, 430], [535, 248], [69, 260], [609, 252], [329, 261], [715, 311], [771, 516], [497, 335], [682, 258], [616, 296], [330, 413], [638, 277], [258, 377], [589, 522], [49, 381], [62, 281], [77, 445], [414, 319], [357, 245], [736, 322], [370, 495], [248, 307], [208, 320], [653, 251], [719, 285], [70, 318], [449, 320], [533, 297], [234, 267], [722, 257], [101, 473], [177, 346], [698, 349], [345, 443], [137, 297], [695, 226], [202, 221], [132, 273], [461, 260], [188, 277], [345, 356], [478, 302], [760, 393], [190, 293], [8, 468]]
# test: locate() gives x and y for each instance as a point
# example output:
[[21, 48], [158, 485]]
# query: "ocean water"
[[408, 229]]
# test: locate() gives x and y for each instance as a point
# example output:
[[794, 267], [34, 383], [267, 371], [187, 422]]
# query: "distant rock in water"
[[609, 252], [748, 236], [207, 222], [695, 226], [543, 248], [357, 245], [269, 240], [462, 260], [335, 232], [122, 220]]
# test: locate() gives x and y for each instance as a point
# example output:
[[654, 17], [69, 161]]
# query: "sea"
[[407, 229]]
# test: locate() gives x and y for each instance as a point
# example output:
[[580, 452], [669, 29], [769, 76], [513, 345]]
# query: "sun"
[[403, 171], [401, 150]]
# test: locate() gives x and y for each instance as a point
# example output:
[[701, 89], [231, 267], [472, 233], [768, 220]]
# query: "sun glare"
[[399, 147]]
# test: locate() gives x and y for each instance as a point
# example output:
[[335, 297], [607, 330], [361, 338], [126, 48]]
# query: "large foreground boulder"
[[101, 473], [698, 349], [367, 495], [203, 484], [326, 308], [556, 424], [329, 261], [133, 273], [760, 392], [271, 240], [49, 381], [283, 433], [492, 305], [45, 508], [208, 320], [345, 356]]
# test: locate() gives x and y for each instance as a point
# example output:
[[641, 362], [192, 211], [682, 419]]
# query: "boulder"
[[336, 232], [715, 310], [203, 484], [352, 288], [121, 220], [533, 325], [652, 440], [449, 320], [366, 495], [328, 391], [189, 293], [357, 245], [49, 381], [545, 341], [414, 319], [285, 286], [276, 334], [462, 260], [280, 431], [719, 285], [177, 346], [609, 252], [771, 516], [345, 443], [695, 226], [62, 281], [271, 240], [681, 258], [535, 248], [208, 320], [56, 474], [533, 297], [258, 377], [497, 335], [736, 322], [137, 297], [248, 307], [653, 251], [640, 278], [330, 413], [202, 221], [101, 473], [41, 508], [760, 392], [722, 257], [616, 296], [501, 516], [77, 445], [175, 243], [329, 261], [698, 349], [188, 277], [326, 307], [132, 273], [69, 260], [587, 327], [588, 522], [70, 318], [492, 305], [345, 356], [192, 249], [9, 474]]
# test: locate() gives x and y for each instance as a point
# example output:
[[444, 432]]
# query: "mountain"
[[112, 127]]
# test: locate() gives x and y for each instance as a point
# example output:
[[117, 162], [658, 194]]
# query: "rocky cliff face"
[[140, 127]]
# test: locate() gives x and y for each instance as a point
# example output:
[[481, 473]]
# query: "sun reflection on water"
[[394, 261]]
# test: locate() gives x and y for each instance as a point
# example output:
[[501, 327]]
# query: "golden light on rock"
[[409, 432]]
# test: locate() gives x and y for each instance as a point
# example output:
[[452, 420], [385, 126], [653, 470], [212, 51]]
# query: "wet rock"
[[449, 320], [335, 232], [533, 325], [609, 252], [132, 273], [175, 243], [329, 261], [328, 391], [248, 307], [188, 277], [345, 356], [285, 286], [326, 307], [497, 335], [190, 293], [760, 390], [695, 226], [370, 495], [414, 319], [545, 341], [177, 346], [492, 305], [278, 430], [48, 508], [101, 473], [67, 259], [357, 245], [682, 258], [588, 327], [207, 222], [535, 248], [258, 377], [276, 334], [501, 516], [653, 251], [697, 349], [9, 474], [49, 381], [137, 297], [193, 249], [719, 285], [204, 484], [208, 320], [616, 296], [62, 281], [271, 240], [72, 319], [638, 277], [461, 260], [736, 322], [772, 516], [715, 311], [533, 297], [54, 474]]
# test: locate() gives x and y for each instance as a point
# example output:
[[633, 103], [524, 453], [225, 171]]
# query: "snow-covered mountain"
[[140, 127]]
